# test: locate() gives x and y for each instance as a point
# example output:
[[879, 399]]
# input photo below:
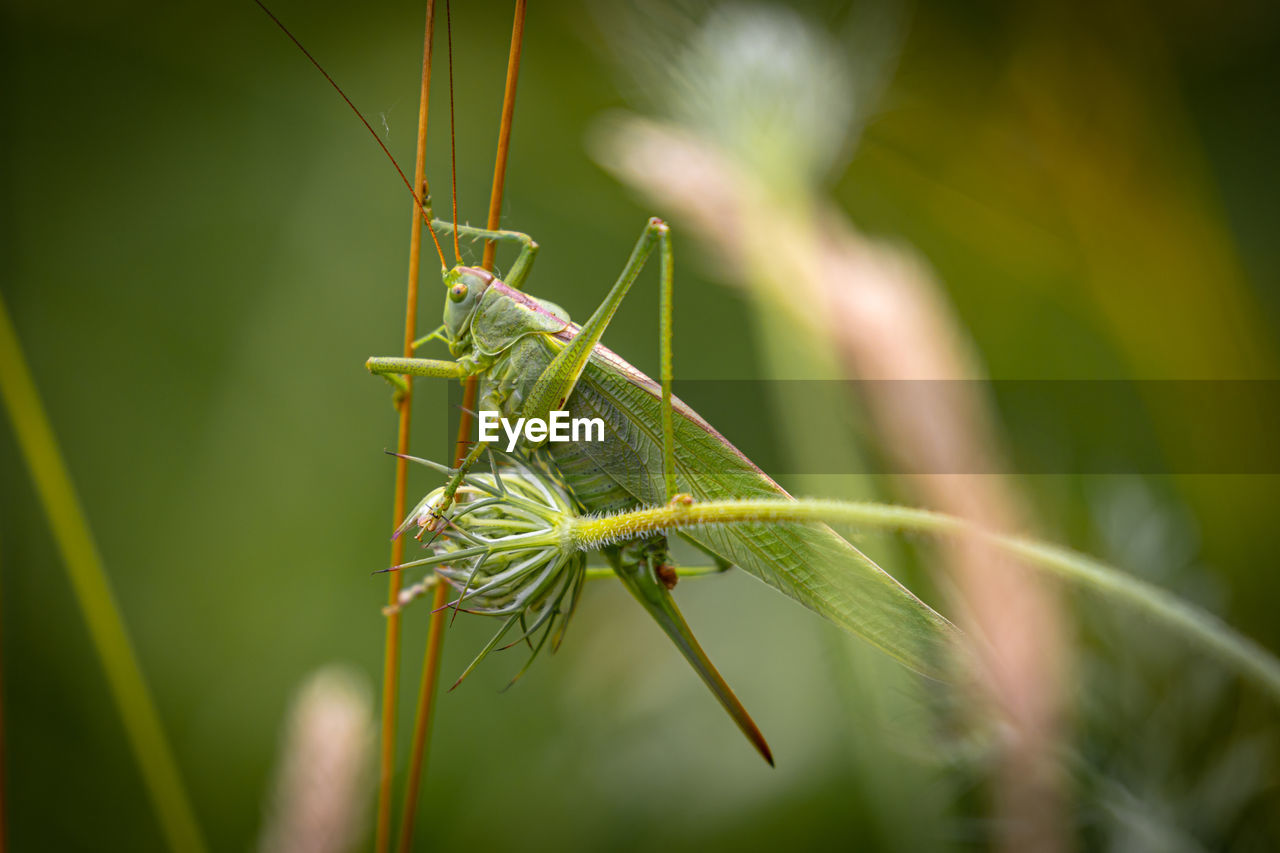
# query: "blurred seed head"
[[761, 83], [320, 801], [777, 92], [748, 186]]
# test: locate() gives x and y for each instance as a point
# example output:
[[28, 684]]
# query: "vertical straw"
[[391, 661], [435, 634]]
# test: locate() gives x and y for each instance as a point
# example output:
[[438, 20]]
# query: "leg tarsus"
[[450, 489], [436, 335]]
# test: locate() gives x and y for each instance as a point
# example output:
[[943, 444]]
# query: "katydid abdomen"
[[809, 563]]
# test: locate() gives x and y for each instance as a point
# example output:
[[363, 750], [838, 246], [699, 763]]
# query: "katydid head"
[[463, 288]]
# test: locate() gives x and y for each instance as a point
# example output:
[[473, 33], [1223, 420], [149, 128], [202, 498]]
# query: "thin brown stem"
[[435, 635], [504, 134], [421, 747], [391, 661]]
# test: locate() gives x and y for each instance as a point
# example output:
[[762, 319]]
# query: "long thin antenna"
[[422, 209], [504, 134], [453, 155]]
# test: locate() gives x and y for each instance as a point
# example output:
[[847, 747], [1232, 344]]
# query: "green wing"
[[810, 563]]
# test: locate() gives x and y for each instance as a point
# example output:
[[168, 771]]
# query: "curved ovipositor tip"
[[649, 590]]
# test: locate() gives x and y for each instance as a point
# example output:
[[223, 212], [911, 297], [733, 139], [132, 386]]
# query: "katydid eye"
[[458, 292]]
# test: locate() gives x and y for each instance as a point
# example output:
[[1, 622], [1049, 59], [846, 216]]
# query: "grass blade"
[[93, 593]]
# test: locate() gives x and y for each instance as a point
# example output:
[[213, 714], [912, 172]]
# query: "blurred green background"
[[202, 246]]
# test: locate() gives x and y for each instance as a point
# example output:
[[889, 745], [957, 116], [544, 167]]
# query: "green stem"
[[1215, 636], [93, 592]]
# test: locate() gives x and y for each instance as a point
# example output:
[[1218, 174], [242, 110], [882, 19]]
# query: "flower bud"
[[501, 548]]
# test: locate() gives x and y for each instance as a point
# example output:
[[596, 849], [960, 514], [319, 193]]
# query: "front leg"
[[394, 370], [394, 366], [442, 504], [434, 519]]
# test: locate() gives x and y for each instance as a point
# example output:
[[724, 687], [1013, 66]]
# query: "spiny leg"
[[553, 387], [395, 369], [451, 487], [595, 573], [524, 261], [665, 311]]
